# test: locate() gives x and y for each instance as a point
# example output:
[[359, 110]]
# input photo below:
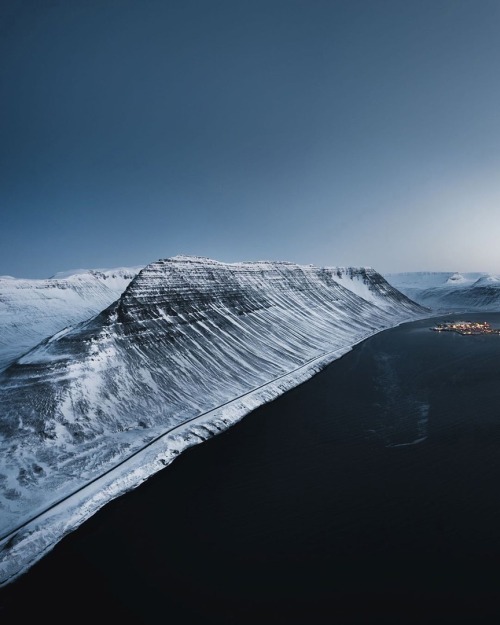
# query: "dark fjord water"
[[369, 494]]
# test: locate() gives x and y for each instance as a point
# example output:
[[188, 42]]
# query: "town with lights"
[[466, 327]]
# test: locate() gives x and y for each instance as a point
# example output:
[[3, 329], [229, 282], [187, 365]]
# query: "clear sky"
[[325, 132]]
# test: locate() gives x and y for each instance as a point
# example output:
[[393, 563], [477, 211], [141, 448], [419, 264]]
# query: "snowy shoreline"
[[26, 545]]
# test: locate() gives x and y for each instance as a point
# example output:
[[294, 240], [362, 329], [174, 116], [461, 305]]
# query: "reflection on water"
[[402, 411]]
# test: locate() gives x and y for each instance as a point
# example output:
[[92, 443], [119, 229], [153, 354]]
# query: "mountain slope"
[[448, 291], [190, 347], [31, 310]]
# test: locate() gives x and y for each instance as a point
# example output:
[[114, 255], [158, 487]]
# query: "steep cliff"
[[190, 347]]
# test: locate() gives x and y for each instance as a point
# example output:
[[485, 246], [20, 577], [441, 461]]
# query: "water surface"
[[369, 494]]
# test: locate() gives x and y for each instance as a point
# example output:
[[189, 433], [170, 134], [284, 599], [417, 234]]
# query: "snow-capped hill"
[[31, 310], [427, 279], [126, 273], [487, 281], [457, 278], [450, 291], [190, 347], [418, 279]]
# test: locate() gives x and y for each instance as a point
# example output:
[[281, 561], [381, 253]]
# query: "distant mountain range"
[[449, 291], [31, 310], [190, 347]]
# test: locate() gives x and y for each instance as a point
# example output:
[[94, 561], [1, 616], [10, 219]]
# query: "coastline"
[[25, 545]]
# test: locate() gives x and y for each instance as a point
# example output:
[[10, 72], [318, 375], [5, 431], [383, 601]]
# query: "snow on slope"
[[426, 279], [487, 281], [190, 347], [31, 310], [448, 291]]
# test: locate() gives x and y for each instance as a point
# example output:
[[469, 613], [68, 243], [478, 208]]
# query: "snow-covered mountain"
[[448, 291], [31, 310], [190, 347]]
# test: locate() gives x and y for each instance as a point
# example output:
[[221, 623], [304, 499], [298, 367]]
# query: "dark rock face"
[[187, 335], [481, 297]]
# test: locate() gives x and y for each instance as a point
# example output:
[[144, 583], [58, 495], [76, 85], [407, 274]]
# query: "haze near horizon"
[[332, 133]]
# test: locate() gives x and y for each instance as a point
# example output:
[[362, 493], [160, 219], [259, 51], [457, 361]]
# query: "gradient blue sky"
[[324, 132]]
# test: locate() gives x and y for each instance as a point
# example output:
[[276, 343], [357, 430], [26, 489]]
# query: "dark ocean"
[[369, 494]]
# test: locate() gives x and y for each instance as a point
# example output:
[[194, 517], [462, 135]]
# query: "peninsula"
[[466, 327]]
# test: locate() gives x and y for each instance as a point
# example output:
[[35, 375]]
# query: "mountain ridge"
[[450, 291], [34, 309], [186, 338]]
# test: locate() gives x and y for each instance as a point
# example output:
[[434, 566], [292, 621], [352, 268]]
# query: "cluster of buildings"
[[466, 327]]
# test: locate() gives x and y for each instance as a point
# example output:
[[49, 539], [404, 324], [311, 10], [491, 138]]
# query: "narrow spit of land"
[[466, 327]]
